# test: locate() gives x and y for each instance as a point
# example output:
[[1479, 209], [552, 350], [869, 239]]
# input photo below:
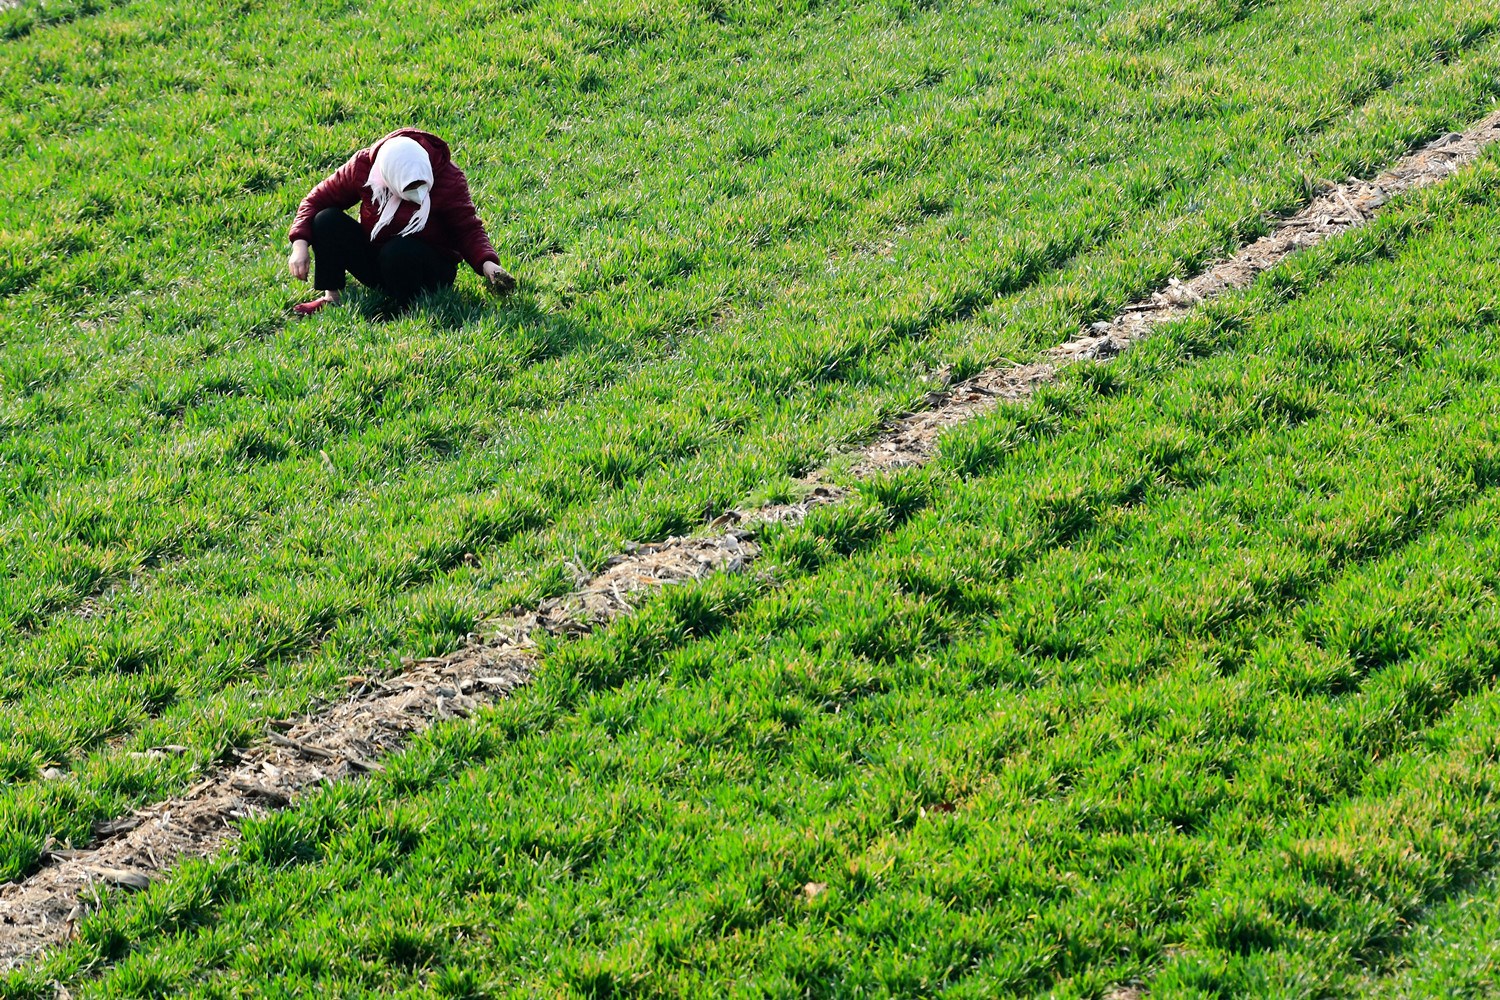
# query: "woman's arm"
[[470, 239], [339, 190]]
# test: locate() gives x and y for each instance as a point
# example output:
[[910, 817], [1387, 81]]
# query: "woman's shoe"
[[308, 308]]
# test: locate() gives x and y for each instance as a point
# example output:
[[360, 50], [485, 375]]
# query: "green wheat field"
[[1178, 679]]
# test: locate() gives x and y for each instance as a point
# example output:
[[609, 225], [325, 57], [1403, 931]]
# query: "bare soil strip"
[[1339, 208], [378, 716]]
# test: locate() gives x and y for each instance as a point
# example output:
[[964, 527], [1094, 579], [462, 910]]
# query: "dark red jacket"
[[452, 225]]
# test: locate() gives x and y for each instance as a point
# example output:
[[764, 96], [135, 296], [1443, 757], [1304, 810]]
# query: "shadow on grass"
[[450, 308], [518, 314]]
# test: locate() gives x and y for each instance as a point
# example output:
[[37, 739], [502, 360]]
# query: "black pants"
[[402, 268]]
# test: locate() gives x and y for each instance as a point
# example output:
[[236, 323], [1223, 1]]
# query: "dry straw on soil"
[[378, 716]]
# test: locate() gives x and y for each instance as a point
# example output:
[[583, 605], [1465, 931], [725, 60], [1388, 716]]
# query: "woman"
[[416, 222]]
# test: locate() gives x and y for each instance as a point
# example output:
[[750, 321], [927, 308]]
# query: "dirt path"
[[378, 716]]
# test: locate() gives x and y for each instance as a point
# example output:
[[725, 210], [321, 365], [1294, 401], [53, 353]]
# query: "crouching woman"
[[416, 222]]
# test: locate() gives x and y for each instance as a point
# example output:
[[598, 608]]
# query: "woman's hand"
[[297, 262], [499, 278]]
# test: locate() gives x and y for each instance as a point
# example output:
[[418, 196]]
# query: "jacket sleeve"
[[469, 237], [339, 190]]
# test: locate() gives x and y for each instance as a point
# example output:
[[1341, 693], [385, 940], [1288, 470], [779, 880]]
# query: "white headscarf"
[[398, 162]]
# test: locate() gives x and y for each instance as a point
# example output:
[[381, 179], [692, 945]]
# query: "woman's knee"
[[328, 221]]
